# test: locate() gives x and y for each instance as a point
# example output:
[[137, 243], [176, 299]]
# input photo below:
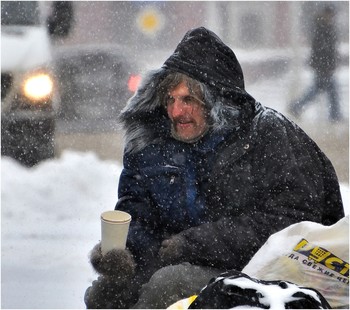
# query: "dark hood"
[[204, 57]]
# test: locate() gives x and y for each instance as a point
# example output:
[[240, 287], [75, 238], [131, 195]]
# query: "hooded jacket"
[[253, 174]]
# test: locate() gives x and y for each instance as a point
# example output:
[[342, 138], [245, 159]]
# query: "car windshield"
[[20, 13]]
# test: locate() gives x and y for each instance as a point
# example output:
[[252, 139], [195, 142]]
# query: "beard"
[[194, 139]]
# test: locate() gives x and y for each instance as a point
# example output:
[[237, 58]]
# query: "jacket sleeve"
[[286, 185], [134, 200]]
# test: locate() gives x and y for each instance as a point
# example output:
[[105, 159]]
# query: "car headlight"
[[38, 87]]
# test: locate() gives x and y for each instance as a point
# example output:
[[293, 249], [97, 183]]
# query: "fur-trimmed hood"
[[202, 56]]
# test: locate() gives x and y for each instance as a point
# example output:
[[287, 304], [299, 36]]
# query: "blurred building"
[[161, 24]]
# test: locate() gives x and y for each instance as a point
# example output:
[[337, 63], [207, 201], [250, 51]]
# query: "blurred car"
[[28, 98], [95, 83]]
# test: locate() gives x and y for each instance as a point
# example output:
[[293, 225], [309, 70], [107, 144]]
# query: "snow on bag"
[[236, 290], [308, 254]]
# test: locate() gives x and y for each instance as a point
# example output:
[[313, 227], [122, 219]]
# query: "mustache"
[[182, 119]]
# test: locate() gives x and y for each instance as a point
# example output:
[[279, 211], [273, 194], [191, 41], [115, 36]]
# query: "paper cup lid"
[[116, 216]]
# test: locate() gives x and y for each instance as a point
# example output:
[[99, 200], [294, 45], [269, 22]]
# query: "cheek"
[[201, 117]]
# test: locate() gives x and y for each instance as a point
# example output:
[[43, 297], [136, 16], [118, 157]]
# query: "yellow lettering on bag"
[[329, 262], [321, 256], [345, 270], [301, 244]]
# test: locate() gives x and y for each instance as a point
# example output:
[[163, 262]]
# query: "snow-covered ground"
[[50, 222], [50, 216]]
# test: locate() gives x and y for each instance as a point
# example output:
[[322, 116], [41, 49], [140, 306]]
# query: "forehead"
[[181, 88]]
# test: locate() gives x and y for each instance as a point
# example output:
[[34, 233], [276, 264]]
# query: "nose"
[[177, 108]]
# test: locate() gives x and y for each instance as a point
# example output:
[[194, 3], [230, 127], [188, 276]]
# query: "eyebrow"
[[194, 97]]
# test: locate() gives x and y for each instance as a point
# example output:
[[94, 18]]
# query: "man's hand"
[[113, 289], [171, 250], [106, 293], [116, 263]]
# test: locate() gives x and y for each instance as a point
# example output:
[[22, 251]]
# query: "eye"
[[189, 100], [170, 100]]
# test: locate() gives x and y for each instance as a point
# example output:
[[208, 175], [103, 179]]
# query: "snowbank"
[[50, 222]]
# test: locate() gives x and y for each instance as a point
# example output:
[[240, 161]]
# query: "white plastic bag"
[[308, 254]]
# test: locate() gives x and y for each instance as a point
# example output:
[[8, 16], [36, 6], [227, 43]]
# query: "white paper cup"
[[114, 230]]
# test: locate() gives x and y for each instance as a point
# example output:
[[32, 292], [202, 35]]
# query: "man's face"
[[187, 114]]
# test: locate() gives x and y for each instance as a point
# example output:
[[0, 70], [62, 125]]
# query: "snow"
[[50, 217], [269, 292], [50, 222]]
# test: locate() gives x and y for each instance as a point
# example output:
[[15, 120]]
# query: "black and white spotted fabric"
[[234, 289]]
